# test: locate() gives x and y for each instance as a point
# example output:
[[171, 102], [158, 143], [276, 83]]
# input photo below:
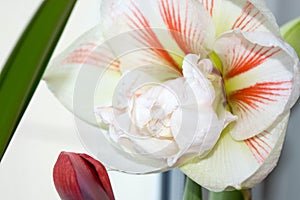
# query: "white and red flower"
[[206, 85]]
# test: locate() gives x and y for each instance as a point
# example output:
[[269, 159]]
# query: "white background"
[[47, 127]]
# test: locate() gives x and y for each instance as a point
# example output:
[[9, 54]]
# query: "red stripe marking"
[[88, 54], [208, 6], [244, 14], [256, 154], [246, 19], [259, 147], [260, 93], [212, 7], [264, 144], [181, 28], [142, 26], [260, 20], [249, 60], [250, 20]]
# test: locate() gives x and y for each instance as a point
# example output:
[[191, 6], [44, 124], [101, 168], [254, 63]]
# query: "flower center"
[[151, 110], [216, 61]]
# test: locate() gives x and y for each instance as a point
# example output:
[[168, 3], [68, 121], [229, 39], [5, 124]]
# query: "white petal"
[[259, 77], [238, 164], [144, 30], [135, 80], [197, 126], [125, 129], [83, 75], [246, 15], [201, 86], [98, 143]]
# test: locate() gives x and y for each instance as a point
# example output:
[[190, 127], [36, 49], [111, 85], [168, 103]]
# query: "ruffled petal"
[[259, 77], [165, 122], [140, 146], [99, 144], [84, 75], [246, 15], [238, 164], [197, 126], [157, 32]]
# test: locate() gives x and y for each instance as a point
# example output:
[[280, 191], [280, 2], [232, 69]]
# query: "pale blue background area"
[[284, 10]]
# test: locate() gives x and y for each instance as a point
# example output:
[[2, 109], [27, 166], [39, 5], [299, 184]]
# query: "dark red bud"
[[80, 177]]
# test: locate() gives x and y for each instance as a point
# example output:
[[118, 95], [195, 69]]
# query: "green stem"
[[231, 195], [26, 64], [192, 190]]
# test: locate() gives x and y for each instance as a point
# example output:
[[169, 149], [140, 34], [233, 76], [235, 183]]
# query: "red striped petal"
[[92, 56], [247, 15], [253, 97], [188, 23], [258, 80], [260, 146], [208, 5], [238, 164], [148, 37], [250, 19], [159, 38], [250, 57]]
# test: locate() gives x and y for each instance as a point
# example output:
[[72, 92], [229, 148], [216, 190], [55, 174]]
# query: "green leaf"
[[231, 195], [192, 190], [291, 33], [27, 62]]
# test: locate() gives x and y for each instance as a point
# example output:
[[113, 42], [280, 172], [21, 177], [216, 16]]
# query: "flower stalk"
[[231, 195], [192, 191]]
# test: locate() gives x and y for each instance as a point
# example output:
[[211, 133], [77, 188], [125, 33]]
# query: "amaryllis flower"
[[206, 85], [79, 177]]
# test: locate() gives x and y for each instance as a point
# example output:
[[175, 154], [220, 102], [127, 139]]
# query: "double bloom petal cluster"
[[203, 85]]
